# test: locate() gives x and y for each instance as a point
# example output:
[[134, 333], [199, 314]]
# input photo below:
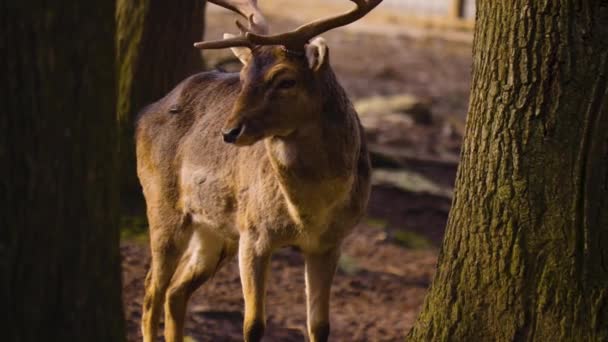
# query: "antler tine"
[[296, 39], [246, 8], [249, 10], [224, 43]]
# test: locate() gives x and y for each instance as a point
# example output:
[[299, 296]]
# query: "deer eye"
[[286, 84]]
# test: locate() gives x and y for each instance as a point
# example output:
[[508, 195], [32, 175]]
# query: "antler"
[[249, 10], [296, 39]]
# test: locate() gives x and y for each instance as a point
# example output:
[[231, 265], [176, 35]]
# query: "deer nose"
[[230, 135]]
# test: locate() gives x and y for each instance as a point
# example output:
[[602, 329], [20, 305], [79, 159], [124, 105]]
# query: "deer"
[[242, 164]]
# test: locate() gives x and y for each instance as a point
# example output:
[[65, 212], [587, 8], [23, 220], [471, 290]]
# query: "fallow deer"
[[248, 163]]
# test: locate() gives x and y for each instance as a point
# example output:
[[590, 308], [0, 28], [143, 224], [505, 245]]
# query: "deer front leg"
[[253, 266], [320, 269], [198, 263]]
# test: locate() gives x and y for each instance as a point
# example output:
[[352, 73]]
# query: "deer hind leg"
[[157, 281], [199, 262], [320, 269], [253, 267]]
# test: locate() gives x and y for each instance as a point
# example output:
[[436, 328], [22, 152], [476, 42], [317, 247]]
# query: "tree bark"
[[59, 241], [525, 256], [154, 52]]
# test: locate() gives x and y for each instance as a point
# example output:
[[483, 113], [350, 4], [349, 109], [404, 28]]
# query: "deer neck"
[[314, 167], [303, 155]]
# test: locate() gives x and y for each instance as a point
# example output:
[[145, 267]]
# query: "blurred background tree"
[[525, 256], [59, 246], [154, 52]]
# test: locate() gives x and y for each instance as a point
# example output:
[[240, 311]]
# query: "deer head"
[[281, 76]]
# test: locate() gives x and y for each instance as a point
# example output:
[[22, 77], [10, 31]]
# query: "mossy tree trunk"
[[525, 256], [154, 52], [59, 254]]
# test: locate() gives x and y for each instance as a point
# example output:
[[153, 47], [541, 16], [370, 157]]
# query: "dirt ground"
[[389, 259]]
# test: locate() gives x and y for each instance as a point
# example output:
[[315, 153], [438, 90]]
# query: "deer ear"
[[242, 53], [316, 53]]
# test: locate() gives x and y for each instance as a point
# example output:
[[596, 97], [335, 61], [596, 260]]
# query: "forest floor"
[[388, 262]]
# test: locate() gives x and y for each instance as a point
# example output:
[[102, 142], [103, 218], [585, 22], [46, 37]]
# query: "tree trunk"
[[59, 253], [525, 256], [154, 52]]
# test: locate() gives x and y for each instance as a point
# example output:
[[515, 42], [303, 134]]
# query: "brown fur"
[[298, 175]]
